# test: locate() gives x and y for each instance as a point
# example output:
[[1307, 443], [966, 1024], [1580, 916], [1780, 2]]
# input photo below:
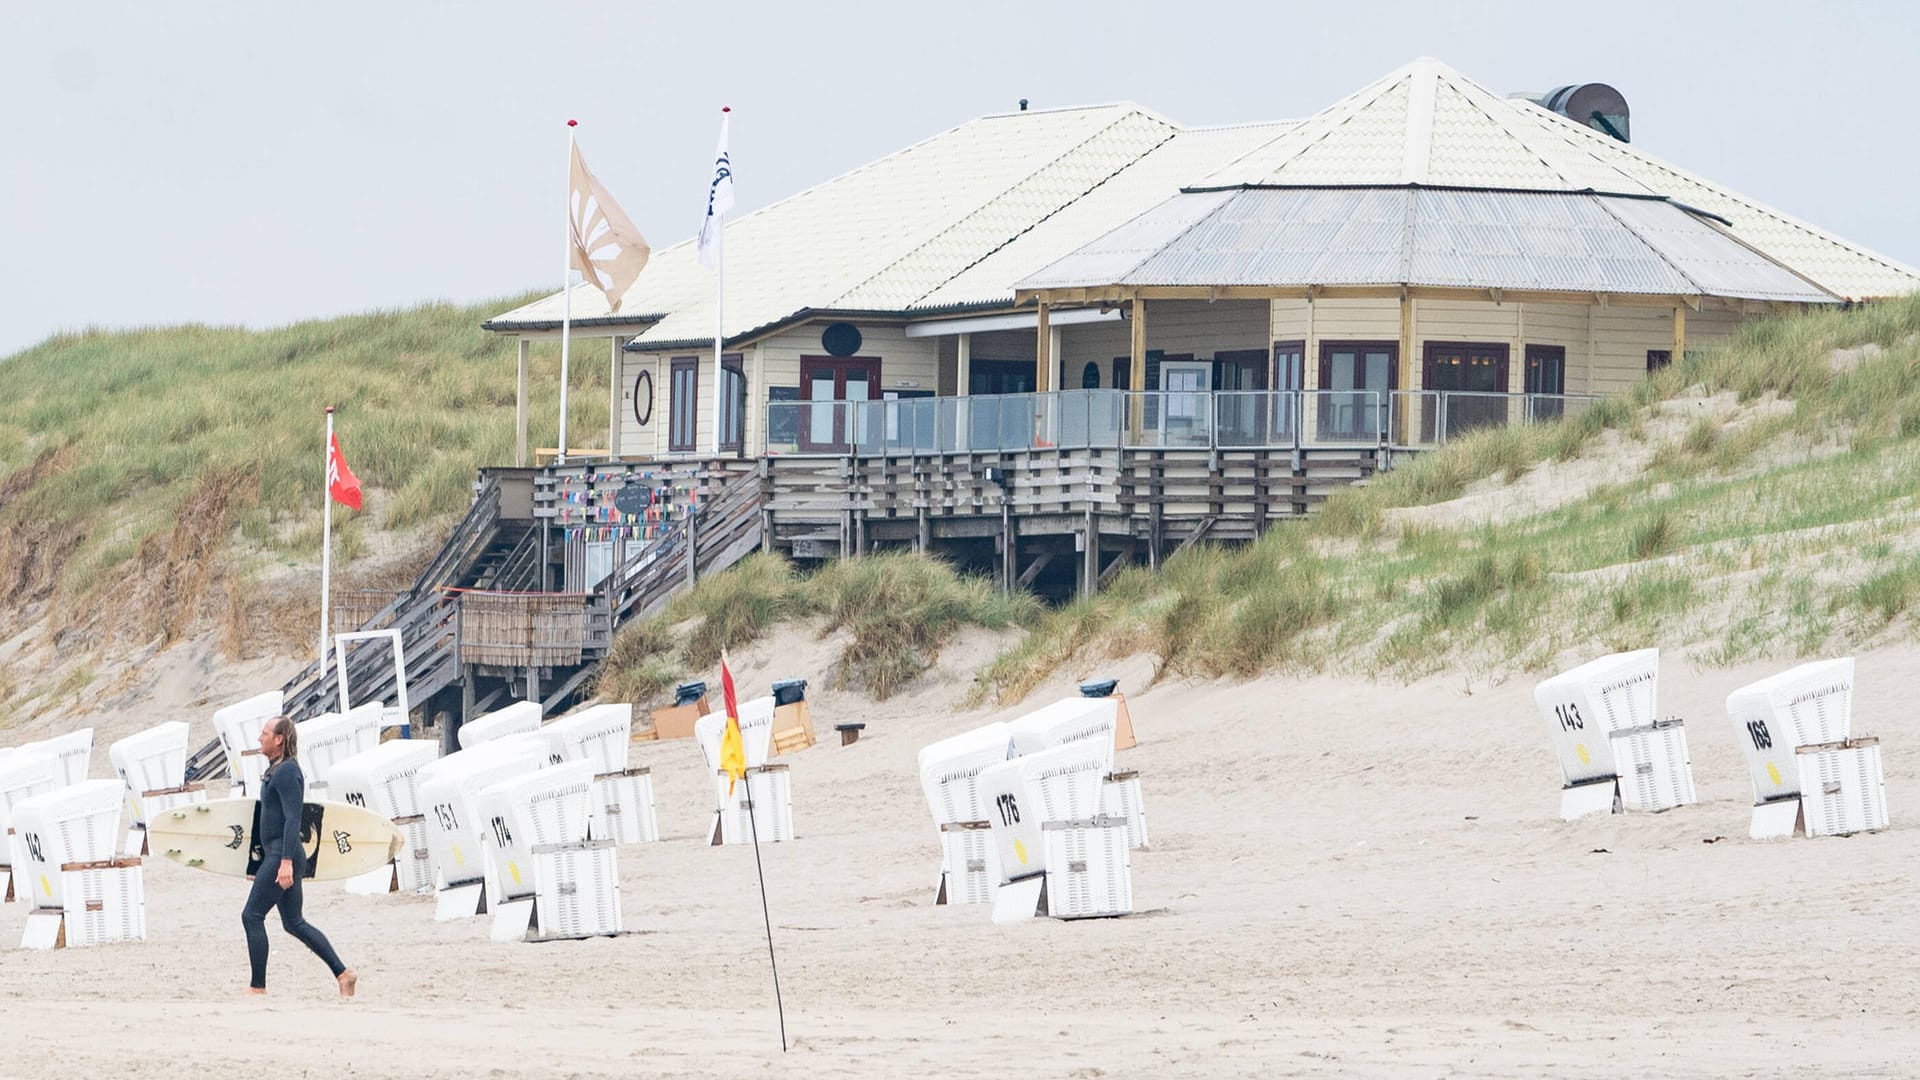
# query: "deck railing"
[[1157, 419]]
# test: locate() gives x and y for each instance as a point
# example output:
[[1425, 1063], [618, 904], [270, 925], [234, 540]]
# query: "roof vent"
[[1596, 105], [1023, 104]]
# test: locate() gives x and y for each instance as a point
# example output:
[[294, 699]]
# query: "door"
[[1001, 412], [835, 386], [1289, 374], [1471, 380], [1187, 416], [1241, 404], [1357, 379], [1546, 375]]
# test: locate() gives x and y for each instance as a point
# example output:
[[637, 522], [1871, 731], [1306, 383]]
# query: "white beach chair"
[[1078, 719], [553, 806], [74, 751], [23, 775], [1808, 769], [238, 727], [767, 789], [517, 718], [1807, 705], [333, 737], [462, 865], [153, 766], [1059, 854], [386, 780], [81, 893], [950, 778], [1585, 708]]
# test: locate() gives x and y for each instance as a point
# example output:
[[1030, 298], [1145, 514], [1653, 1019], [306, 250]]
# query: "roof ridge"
[[983, 205], [1521, 140]]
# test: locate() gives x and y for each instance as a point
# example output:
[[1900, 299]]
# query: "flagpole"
[[719, 325], [566, 303], [326, 538], [753, 826]]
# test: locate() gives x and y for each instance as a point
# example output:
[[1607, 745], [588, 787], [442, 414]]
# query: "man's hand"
[[285, 880]]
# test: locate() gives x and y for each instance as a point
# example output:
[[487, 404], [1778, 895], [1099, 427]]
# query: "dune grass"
[[1783, 536], [123, 424], [896, 611]]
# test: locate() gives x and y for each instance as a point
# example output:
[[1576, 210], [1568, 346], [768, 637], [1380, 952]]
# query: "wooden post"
[[1679, 331], [449, 739], [520, 408], [1406, 348], [1090, 568], [1009, 559], [766, 505], [613, 396], [693, 547], [1042, 360], [533, 688], [964, 362]]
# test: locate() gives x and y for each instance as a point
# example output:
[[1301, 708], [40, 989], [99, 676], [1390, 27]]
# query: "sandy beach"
[[1346, 879]]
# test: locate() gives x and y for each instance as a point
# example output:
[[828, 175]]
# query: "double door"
[[836, 388], [1471, 380]]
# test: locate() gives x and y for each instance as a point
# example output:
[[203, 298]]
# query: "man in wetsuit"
[[283, 860]]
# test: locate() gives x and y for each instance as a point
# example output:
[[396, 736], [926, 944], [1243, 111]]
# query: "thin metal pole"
[[326, 538], [753, 827], [566, 304]]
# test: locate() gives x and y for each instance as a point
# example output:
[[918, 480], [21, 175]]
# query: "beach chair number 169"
[[1009, 810]]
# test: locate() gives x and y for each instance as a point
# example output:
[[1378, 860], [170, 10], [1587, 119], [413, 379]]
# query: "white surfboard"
[[340, 840]]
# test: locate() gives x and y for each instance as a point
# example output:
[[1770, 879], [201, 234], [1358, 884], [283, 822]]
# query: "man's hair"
[[284, 728]]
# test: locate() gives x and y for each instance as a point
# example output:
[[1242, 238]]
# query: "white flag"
[[719, 199]]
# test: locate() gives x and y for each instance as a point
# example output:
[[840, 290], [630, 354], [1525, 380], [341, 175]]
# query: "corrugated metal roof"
[[881, 236], [1134, 190], [955, 220], [1550, 241]]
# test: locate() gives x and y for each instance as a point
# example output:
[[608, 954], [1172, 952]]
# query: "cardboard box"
[[676, 721], [792, 727], [1122, 726]]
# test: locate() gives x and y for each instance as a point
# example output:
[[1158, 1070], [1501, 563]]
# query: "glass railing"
[[1156, 419], [1422, 418]]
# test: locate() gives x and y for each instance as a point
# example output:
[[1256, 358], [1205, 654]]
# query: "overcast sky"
[[259, 163]]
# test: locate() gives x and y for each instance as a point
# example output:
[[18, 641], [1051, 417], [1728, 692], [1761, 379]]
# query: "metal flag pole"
[[720, 281], [326, 536], [566, 302], [753, 826]]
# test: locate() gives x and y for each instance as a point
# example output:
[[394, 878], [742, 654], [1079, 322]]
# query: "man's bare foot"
[[347, 980], [257, 990]]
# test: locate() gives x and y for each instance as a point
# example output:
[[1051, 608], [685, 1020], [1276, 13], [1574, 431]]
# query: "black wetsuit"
[[281, 794]]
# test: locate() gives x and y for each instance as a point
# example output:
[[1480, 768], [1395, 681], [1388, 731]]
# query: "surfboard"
[[219, 837]]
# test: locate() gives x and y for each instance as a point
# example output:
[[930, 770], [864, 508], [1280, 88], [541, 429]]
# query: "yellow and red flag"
[[733, 750]]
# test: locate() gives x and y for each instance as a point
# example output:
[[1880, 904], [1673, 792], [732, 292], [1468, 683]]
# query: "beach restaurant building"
[[1421, 257]]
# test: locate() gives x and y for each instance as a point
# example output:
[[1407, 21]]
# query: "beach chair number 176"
[[1009, 810]]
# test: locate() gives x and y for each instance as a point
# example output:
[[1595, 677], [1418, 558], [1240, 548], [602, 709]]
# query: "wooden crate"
[[792, 728]]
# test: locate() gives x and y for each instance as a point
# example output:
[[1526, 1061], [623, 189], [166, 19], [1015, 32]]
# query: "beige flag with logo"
[[607, 248]]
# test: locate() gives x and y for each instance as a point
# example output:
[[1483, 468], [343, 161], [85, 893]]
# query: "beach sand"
[[1346, 878]]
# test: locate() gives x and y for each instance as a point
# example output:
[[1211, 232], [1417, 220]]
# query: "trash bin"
[[688, 693], [1100, 688], [788, 691]]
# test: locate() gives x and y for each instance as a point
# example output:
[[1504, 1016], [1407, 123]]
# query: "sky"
[[258, 164]]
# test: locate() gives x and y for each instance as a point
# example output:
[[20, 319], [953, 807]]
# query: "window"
[[1468, 385], [733, 401], [1546, 378], [685, 403], [1658, 358]]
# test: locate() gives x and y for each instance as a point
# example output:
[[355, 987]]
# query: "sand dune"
[[1347, 879]]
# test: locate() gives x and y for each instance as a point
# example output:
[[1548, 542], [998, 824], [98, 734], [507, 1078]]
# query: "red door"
[[836, 385]]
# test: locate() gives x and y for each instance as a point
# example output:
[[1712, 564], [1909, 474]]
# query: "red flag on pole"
[[341, 483], [733, 750]]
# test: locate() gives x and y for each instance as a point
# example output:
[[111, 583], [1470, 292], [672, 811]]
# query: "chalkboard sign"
[[632, 499], [783, 425]]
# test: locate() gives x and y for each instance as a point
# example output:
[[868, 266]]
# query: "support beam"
[[1042, 351], [1679, 332], [965, 363], [1137, 351], [613, 396], [520, 408], [1033, 569]]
